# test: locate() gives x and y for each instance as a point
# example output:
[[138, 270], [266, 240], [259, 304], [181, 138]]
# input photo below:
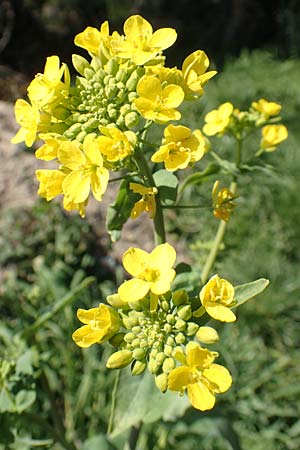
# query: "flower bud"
[[165, 305], [171, 319], [180, 325], [161, 382], [117, 339], [153, 366], [80, 64], [132, 119], [138, 367], [129, 337], [170, 341], [160, 357], [80, 137], [180, 338], [136, 343], [112, 67], [191, 328], [132, 81], [139, 353], [90, 125], [207, 335], [168, 350], [89, 73], [121, 75], [180, 297], [119, 359], [168, 328], [184, 312], [168, 365]]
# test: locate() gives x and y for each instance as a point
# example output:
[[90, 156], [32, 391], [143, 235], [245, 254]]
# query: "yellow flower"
[[222, 202], [140, 44], [266, 108], [217, 297], [116, 144], [100, 324], [91, 38], [272, 135], [47, 89], [85, 170], [31, 121], [50, 183], [158, 103], [146, 203], [194, 73], [152, 271], [48, 151], [71, 206], [181, 146], [217, 120], [200, 376]]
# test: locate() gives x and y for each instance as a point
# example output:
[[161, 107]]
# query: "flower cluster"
[[123, 87], [153, 327]]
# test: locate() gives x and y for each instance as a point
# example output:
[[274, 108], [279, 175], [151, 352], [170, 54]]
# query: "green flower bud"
[[119, 359], [96, 64], [168, 365], [153, 366], [103, 122], [208, 335], [184, 312], [132, 81], [125, 109], [168, 328], [112, 67], [80, 137], [180, 338], [121, 75], [129, 337], [90, 125], [171, 319], [191, 328], [171, 341], [153, 353], [100, 75], [110, 91], [75, 101], [180, 324], [164, 304], [74, 129], [112, 114], [160, 357], [120, 122], [161, 382], [136, 329], [138, 367], [106, 79], [82, 107], [168, 350], [117, 339], [132, 96], [180, 297], [139, 353], [136, 343], [88, 73], [80, 64]]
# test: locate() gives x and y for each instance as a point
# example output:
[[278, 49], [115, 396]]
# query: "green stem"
[[112, 180], [159, 225], [217, 242], [113, 403], [185, 206], [239, 151]]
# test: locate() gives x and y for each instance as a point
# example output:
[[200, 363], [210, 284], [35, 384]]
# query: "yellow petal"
[[86, 315], [175, 133], [85, 336], [76, 186], [136, 27], [180, 378], [70, 155], [162, 257], [220, 312], [133, 290], [99, 180], [198, 356], [135, 260], [173, 96], [92, 151], [163, 38], [150, 88], [219, 378], [178, 160], [163, 284], [201, 398]]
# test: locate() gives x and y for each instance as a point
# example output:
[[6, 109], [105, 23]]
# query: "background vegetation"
[[53, 395]]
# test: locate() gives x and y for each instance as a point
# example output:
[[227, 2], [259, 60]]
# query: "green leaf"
[[119, 212], [97, 442], [138, 399], [24, 363], [187, 280], [200, 177], [245, 292], [167, 184], [24, 399], [227, 166]]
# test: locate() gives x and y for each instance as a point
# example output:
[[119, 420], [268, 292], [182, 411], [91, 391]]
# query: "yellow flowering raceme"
[[194, 73], [222, 202], [147, 203], [266, 108], [181, 146], [100, 324], [116, 144], [151, 271], [218, 120], [217, 297], [156, 102], [140, 44], [273, 135], [202, 378]]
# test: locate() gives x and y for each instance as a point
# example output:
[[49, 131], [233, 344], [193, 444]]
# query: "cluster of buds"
[[154, 328]]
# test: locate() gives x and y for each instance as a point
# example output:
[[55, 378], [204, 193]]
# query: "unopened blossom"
[[156, 102], [181, 146], [147, 203], [202, 378], [100, 324], [272, 136], [223, 204], [151, 271], [218, 120]]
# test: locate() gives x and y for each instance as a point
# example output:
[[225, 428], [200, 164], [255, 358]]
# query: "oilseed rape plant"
[[159, 320]]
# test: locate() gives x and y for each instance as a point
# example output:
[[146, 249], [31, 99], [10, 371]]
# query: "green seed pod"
[[184, 312], [161, 382], [180, 297], [117, 339], [168, 365], [139, 353], [191, 328], [180, 325], [138, 367], [112, 67], [180, 338], [119, 359]]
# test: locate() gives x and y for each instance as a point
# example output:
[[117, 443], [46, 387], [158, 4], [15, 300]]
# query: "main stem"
[[159, 225], [217, 243]]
